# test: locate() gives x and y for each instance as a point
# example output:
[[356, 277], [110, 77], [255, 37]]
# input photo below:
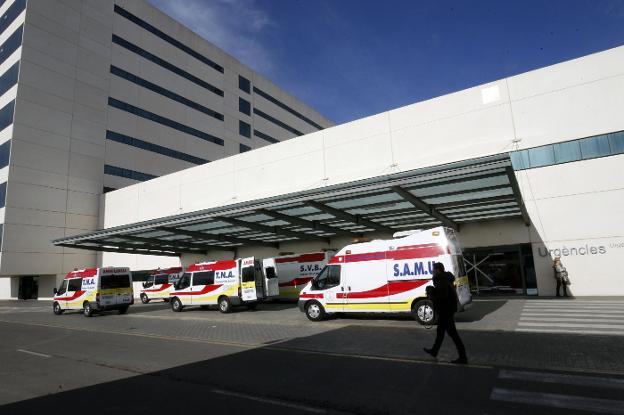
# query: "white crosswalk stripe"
[[600, 317], [533, 395]]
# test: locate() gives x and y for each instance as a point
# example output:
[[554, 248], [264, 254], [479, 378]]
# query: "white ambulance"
[[160, 283], [295, 271], [226, 284], [95, 289], [386, 276]]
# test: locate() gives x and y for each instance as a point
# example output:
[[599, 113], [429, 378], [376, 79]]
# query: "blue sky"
[[353, 58]]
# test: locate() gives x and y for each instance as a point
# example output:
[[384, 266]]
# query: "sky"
[[349, 59]]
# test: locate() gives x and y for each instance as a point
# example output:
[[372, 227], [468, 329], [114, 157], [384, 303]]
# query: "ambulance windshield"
[[327, 278]]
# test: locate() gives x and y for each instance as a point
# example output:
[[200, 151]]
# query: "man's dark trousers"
[[446, 323]]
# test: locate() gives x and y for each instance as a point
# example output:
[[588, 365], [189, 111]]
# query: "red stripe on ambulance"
[[154, 290], [215, 266], [71, 297], [404, 252], [391, 288], [319, 256]]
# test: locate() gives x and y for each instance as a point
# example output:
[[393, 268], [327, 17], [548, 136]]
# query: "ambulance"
[[159, 284], [386, 276], [295, 271], [226, 284], [95, 289]]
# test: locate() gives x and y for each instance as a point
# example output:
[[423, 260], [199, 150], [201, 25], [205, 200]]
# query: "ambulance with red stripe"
[[95, 289], [386, 276], [160, 283], [226, 284], [295, 271]]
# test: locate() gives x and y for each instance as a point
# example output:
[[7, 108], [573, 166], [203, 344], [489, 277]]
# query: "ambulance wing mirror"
[[54, 290]]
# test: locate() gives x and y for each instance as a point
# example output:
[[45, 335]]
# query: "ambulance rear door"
[[248, 279], [271, 280]]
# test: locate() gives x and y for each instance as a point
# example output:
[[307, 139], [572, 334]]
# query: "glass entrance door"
[[500, 270]]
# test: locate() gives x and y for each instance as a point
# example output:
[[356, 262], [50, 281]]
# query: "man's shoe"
[[430, 351], [460, 361]]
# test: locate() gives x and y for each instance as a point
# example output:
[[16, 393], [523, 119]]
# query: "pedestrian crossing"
[[599, 317], [588, 393]]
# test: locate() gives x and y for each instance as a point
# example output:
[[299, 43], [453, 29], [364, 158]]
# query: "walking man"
[[444, 300]]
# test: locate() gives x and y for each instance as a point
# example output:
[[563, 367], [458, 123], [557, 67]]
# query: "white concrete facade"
[[575, 208], [63, 117]]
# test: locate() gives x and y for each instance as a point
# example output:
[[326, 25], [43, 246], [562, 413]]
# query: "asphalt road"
[[275, 361]]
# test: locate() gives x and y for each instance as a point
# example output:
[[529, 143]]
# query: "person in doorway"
[[444, 298], [561, 275]]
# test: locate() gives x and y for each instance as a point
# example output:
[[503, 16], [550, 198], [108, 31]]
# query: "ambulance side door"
[[183, 289], [61, 294], [74, 290], [248, 279], [332, 284], [270, 277]]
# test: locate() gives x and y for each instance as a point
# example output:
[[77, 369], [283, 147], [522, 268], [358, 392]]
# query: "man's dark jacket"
[[443, 293]]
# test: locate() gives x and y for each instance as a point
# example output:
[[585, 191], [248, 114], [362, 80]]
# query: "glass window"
[[520, 160], [107, 189], [276, 121], [595, 147], [244, 84], [127, 173], [541, 156], [286, 107], [2, 194], [203, 278], [11, 13], [270, 272], [164, 121], [9, 78], [328, 277], [74, 284], [135, 142], [5, 152], [184, 281], [164, 64], [244, 106], [265, 137], [142, 23], [243, 148], [248, 274], [11, 44], [6, 115], [149, 281], [164, 92], [115, 281], [161, 279], [569, 151], [617, 142], [244, 129], [63, 288]]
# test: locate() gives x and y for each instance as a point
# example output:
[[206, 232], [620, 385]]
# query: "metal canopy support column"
[[511, 174], [316, 225], [201, 236], [272, 229], [425, 207], [357, 219]]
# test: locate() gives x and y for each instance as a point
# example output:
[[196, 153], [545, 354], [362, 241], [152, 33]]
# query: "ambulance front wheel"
[[225, 306], [86, 309], [176, 304], [315, 311], [57, 309], [144, 298], [423, 312]]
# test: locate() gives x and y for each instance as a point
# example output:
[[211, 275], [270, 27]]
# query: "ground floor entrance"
[[507, 269], [28, 288]]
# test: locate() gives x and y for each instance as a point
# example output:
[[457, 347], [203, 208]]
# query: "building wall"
[[63, 153], [570, 100]]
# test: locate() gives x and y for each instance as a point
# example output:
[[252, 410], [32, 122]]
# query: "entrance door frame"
[[515, 248]]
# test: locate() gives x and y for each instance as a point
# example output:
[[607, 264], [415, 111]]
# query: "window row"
[[127, 173], [3, 187], [265, 137], [164, 121], [11, 44], [164, 92], [244, 129], [276, 121], [286, 107], [6, 115], [11, 14], [155, 148], [142, 23], [164, 64], [9, 78], [582, 149], [5, 154]]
